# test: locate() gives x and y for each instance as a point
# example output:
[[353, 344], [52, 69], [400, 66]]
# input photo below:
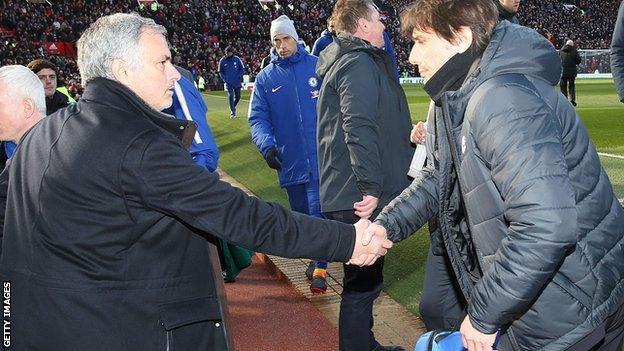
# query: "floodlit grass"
[[598, 106]]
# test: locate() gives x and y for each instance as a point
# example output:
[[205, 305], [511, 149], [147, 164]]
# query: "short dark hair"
[[445, 17], [346, 14], [229, 48], [39, 64]]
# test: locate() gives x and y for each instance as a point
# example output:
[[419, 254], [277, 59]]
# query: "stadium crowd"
[[199, 31]]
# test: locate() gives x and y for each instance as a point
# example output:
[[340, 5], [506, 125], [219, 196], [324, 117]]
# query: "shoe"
[[310, 270], [318, 285], [388, 348], [573, 103], [232, 115]]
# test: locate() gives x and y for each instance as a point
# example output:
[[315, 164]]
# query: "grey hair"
[[109, 38], [20, 82]]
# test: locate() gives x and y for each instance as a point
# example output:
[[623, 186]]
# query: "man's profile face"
[[430, 52], [376, 28], [229, 53], [48, 78], [285, 45], [10, 115], [510, 5], [154, 80]]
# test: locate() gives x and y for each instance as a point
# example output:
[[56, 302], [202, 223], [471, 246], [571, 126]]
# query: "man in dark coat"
[[617, 53], [533, 231], [46, 71], [104, 243], [508, 10], [364, 150], [569, 59]]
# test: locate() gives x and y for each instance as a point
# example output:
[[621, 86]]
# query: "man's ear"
[[463, 39], [363, 25], [120, 70], [28, 106]]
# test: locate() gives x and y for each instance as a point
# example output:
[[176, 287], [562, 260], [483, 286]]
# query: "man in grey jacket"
[[617, 53], [533, 231], [363, 148]]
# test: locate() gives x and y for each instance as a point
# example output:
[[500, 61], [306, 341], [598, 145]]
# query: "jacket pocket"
[[180, 313], [193, 324]]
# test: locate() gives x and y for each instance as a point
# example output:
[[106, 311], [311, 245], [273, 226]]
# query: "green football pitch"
[[598, 106]]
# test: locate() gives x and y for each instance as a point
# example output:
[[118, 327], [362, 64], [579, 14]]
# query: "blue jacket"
[[231, 70], [327, 38], [204, 150], [282, 114]]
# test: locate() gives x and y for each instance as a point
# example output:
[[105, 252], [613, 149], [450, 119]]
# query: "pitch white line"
[[611, 155], [223, 97]]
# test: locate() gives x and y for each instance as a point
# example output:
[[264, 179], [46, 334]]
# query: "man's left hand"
[[473, 339], [364, 209]]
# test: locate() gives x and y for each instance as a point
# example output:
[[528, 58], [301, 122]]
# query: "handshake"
[[371, 242]]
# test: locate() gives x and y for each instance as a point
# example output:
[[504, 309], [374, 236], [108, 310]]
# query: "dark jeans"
[[568, 84], [361, 286], [234, 95], [442, 303]]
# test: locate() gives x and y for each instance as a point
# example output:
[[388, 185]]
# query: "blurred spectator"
[[617, 53], [46, 71], [569, 59]]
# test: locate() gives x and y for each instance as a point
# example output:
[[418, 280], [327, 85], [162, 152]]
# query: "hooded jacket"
[[569, 59], [282, 114], [188, 104], [106, 249], [363, 126], [547, 230]]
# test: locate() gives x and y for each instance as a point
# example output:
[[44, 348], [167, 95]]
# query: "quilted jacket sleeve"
[[413, 208]]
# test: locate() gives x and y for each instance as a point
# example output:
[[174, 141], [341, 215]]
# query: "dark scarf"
[[451, 75]]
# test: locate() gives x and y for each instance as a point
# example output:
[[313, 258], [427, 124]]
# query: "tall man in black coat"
[[569, 59], [107, 215], [363, 148]]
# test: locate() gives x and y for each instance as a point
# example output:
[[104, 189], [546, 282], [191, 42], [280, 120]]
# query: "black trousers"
[[361, 286], [442, 305], [567, 84]]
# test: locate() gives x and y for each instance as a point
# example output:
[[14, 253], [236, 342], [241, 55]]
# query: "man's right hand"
[[273, 159], [368, 246], [419, 132]]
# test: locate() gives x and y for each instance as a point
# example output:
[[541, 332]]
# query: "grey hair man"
[[106, 226], [22, 101]]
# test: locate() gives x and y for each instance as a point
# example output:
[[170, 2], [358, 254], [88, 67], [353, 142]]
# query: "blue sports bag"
[[440, 340]]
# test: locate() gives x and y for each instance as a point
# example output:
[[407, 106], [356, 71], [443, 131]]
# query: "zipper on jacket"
[[169, 340]]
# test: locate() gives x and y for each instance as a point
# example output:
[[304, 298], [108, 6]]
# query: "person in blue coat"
[[282, 118], [188, 104], [231, 70]]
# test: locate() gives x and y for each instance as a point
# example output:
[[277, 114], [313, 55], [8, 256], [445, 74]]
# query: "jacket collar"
[[114, 94], [294, 58]]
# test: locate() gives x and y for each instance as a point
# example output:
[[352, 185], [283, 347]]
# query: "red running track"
[[267, 313]]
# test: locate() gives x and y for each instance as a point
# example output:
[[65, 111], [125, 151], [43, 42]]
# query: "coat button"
[[217, 325], [182, 127]]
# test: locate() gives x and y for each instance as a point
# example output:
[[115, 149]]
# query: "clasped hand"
[[371, 242]]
